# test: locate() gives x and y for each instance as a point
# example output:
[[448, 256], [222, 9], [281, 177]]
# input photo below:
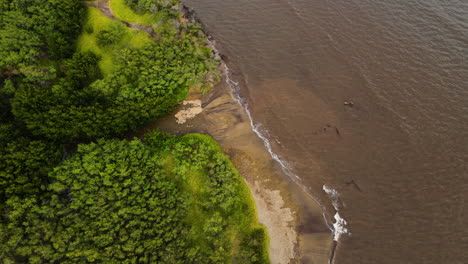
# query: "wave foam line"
[[255, 128], [235, 93], [340, 225]]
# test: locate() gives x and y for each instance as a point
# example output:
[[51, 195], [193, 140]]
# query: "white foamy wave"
[[334, 195], [340, 225], [235, 93], [256, 128], [330, 191]]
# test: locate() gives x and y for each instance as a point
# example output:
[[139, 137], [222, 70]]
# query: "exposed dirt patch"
[[194, 108]]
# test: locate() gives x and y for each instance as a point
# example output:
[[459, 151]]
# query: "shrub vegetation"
[[167, 200]]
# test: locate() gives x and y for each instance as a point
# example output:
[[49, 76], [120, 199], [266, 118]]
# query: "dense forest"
[[74, 80]]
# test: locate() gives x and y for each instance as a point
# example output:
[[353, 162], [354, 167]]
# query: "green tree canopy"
[[171, 200], [35, 30], [148, 82], [143, 6], [24, 165], [111, 204]]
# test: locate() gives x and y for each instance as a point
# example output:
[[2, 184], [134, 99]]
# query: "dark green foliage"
[[24, 165], [8, 88], [6, 91], [109, 36], [153, 6], [158, 139], [253, 248], [148, 82], [35, 30], [82, 69], [24, 162], [63, 96], [120, 202], [89, 29], [110, 204], [59, 109]]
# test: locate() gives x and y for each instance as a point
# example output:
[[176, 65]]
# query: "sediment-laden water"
[[367, 102]]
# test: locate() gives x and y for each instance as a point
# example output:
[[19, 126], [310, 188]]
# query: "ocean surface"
[[366, 101]]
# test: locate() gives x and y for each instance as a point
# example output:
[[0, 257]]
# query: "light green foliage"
[[161, 14], [164, 17], [142, 83], [110, 36], [95, 24], [125, 13], [222, 215], [166, 68], [147, 82], [23, 217]]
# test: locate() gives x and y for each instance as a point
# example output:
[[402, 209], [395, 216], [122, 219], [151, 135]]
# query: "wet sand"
[[297, 230]]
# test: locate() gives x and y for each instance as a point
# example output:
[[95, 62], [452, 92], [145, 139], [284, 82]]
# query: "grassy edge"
[[95, 22], [245, 194], [125, 13]]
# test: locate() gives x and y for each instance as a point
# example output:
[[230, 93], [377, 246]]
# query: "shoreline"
[[296, 222], [279, 201], [278, 196], [269, 204], [223, 119]]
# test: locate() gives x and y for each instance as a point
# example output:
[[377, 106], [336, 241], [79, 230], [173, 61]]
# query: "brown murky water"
[[396, 152]]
